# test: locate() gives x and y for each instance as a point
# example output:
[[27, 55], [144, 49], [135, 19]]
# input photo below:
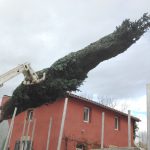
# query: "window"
[[17, 145], [86, 115], [25, 145], [30, 114], [116, 123], [80, 147]]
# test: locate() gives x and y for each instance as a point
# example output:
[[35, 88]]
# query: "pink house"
[[82, 126]]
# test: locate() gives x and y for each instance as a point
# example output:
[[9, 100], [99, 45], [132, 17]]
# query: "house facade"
[[82, 126]]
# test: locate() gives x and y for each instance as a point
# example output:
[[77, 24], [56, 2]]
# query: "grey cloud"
[[42, 32]]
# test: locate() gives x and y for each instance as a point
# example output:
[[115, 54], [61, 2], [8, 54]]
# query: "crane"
[[30, 76]]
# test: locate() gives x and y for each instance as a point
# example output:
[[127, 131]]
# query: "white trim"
[[62, 124], [148, 115], [102, 131], [25, 138]]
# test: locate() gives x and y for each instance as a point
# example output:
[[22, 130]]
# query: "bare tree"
[[124, 107], [142, 143], [108, 101]]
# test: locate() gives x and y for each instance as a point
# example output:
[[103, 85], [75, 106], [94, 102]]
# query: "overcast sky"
[[40, 32]]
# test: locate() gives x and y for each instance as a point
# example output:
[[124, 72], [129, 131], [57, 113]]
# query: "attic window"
[[86, 115], [30, 114], [116, 120]]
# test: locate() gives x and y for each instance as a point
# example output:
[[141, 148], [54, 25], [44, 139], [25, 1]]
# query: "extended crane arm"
[[30, 76]]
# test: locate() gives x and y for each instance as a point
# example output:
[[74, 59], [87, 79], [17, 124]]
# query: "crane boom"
[[30, 76]]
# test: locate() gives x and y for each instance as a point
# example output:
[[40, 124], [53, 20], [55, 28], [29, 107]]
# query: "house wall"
[[75, 129], [42, 115]]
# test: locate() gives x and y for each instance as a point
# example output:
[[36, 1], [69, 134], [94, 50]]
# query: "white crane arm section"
[[30, 76]]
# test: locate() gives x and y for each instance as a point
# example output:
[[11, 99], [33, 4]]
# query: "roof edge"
[[101, 105]]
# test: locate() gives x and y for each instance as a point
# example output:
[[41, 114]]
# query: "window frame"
[[88, 114], [26, 143], [80, 147], [28, 116], [116, 123]]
